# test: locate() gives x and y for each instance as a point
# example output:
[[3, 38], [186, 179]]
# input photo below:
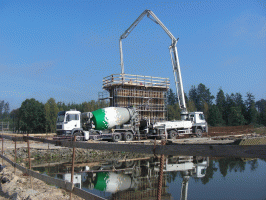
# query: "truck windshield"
[[71, 117], [201, 116], [60, 118]]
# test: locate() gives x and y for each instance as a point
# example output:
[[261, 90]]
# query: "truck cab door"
[[72, 121]]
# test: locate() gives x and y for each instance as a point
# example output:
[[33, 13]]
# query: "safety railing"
[[135, 80]]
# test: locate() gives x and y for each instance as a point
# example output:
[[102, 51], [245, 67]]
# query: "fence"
[[4, 126]]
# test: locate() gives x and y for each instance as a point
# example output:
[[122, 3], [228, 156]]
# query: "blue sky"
[[63, 49]]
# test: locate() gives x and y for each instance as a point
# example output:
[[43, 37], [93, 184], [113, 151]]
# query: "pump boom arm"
[[173, 54]]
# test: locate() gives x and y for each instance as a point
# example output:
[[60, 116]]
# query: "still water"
[[184, 177]]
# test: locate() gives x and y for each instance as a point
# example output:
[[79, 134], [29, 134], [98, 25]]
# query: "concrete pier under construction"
[[146, 93]]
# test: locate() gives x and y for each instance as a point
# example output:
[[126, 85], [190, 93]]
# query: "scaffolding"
[[4, 126], [146, 93]]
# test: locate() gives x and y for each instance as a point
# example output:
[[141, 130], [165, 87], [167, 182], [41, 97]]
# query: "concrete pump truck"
[[190, 123]]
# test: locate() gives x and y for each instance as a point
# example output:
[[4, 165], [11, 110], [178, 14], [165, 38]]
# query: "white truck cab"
[[199, 124], [66, 121], [197, 117]]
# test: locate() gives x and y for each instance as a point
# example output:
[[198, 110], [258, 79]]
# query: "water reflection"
[[134, 178], [137, 178]]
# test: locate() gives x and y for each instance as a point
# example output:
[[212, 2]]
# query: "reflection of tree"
[[228, 164], [223, 165], [209, 172], [172, 176], [253, 164], [236, 164]]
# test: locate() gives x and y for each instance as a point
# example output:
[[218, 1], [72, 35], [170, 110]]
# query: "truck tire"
[[79, 136], [128, 136], [117, 164], [172, 134], [199, 133], [116, 137]]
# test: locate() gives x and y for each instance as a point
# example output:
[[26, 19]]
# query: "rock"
[[15, 196], [4, 180]]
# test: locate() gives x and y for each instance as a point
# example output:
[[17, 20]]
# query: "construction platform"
[[146, 93]]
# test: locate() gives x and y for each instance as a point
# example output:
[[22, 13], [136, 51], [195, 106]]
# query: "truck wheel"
[[79, 136], [129, 163], [172, 134], [116, 137], [128, 136], [117, 164], [199, 133]]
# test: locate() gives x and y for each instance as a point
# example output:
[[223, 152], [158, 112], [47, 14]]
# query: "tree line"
[[222, 110]]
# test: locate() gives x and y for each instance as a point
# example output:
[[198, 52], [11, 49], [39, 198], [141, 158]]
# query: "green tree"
[[215, 116], [6, 110], [32, 116], [171, 97], [200, 96], [173, 112], [261, 106], [229, 103], [235, 117], [203, 95], [192, 94], [191, 107], [251, 114], [51, 111], [2, 103], [221, 103], [14, 114]]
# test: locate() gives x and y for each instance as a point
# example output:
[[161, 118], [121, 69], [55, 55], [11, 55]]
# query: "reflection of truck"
[[67, 177], [113, 179]]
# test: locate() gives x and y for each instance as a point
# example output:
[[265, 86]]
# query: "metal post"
[[28, 144], [2, 148], [160, 180], [73, 162], [15, 153]]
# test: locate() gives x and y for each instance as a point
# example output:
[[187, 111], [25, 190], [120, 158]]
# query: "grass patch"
[[261, 130]]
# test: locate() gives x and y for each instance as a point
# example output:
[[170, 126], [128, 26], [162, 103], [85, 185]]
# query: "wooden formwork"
[[146, 93]]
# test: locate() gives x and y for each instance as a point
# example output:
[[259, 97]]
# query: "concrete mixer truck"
[[116, 123], [113, 123]]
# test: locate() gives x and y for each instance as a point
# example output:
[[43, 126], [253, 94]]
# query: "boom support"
[[173, 54]]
